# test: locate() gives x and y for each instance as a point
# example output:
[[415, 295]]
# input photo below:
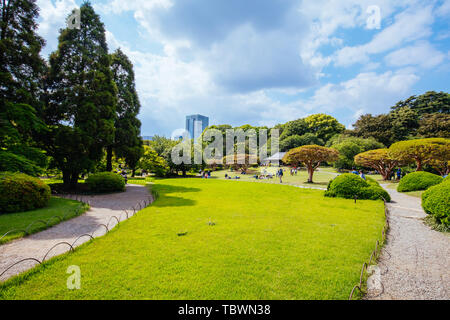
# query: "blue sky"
[[264, 62]]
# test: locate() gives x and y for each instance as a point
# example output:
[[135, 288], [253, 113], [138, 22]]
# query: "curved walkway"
[[415, 262], [103, 207]]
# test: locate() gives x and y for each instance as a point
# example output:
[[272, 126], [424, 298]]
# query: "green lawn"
[[265, 241], [57, 207], [321, 177]]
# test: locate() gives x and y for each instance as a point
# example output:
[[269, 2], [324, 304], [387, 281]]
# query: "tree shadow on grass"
[[164, 200]]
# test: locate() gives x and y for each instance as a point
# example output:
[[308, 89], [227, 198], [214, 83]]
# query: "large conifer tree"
[[80, 110], [127, 142]]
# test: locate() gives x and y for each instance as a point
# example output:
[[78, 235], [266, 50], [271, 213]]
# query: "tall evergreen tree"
[[81, 98], [127, 141], [21, 70]]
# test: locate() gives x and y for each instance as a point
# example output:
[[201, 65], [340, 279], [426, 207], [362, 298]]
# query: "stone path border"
[[96, 222]]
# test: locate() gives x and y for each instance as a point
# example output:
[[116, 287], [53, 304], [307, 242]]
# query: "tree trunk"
[[311, 174], [133, 172], [74, 181], [419, 165], [66, 179], [109, 155]]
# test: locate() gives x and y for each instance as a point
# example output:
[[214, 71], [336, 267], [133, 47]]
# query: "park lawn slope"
[[22, 220], [268, 242]]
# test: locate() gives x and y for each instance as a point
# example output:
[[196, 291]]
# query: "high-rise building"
[[196, 124]]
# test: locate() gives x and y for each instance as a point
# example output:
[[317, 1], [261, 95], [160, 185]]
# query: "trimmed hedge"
[[350, 185], [105, 182], [418, 181], [436, 201], [20, 192]]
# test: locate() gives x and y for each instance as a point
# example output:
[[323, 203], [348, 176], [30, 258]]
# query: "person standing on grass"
[[362, 175], [399, 174], [280, 174]]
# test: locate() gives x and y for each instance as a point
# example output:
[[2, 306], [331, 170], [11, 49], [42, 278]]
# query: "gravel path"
[[415, 262], [103, 207]]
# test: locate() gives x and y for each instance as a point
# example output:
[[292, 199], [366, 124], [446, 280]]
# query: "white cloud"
[[420, 54], [366, 93], [408, 26]]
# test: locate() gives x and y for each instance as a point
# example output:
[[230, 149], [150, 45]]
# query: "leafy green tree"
[[21, 70], [152, 162], [378, 160], [296, 141], [324, 126], [378, 127], [294, 128], [435, 125], [430, 102], [349, 147], [127, 142], [421, 151], [311, 156], [81, 101], [404, 122]]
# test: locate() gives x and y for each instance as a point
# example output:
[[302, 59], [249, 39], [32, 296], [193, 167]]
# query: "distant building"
[[278, 157], [196, 124]]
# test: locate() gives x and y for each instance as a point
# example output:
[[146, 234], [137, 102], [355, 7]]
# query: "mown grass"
[[22, 220], [242, 241]]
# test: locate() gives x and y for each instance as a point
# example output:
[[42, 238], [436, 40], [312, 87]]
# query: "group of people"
[[205, 174], [294, 171], [230, 178], [359, 173], [399, 172]]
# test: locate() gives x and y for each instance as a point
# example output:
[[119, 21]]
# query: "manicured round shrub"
[[417, 181], [350, 185], [105, 182], [20, 192], [436, 201]]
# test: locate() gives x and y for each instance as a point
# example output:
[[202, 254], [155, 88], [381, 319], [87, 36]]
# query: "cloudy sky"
[[264, 62]]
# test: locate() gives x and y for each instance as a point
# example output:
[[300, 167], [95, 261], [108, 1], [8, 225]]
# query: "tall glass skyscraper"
[[196, 124]]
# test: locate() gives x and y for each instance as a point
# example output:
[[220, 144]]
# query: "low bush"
[[418, 181], [350, 185], [20, 192], [105, 182], [436, 202]]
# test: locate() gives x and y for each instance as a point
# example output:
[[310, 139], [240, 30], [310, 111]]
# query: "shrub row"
[[20, 192], [350, 185]]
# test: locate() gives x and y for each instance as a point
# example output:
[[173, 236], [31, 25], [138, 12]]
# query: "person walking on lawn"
[[280, 174]]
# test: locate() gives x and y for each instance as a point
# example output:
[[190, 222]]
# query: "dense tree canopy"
[[324, 126], [127, 142], [349, 147], [421, 151], [430, 102], [435, 125], [21, 71]]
